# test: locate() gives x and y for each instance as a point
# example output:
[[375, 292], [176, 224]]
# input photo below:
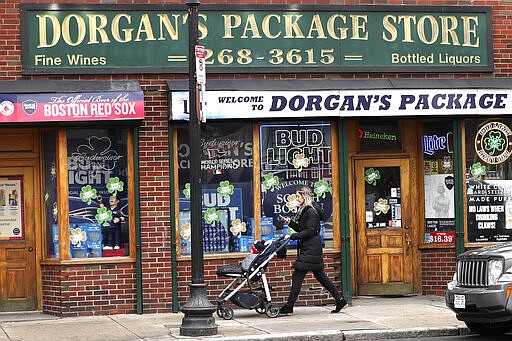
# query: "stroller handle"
[[286, 240], [281, 244]]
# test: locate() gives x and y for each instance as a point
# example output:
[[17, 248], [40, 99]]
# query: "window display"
[[50, 194], [489, 180], [438, 177], [292, 155], [227, 187], [383, 197], [98, 192]]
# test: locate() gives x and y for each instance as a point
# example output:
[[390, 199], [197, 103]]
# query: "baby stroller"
[[249, 292]]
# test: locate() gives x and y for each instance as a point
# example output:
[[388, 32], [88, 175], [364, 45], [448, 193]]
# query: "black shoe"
[[286, 309], [339, 305]]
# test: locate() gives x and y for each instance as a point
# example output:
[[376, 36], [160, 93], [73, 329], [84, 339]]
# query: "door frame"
[[415, 222]]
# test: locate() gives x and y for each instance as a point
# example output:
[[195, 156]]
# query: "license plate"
[[459, 301]]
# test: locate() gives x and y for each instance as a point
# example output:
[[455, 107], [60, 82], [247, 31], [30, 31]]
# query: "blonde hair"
[[307, 194]]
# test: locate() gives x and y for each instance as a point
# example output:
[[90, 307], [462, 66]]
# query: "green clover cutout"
[[103, 216], [494, 143], [271, 181], [186, 190], [478, 170], [321, 187], [371, 176], [115, 185], [211, 215], [225, 189], [88, 193]]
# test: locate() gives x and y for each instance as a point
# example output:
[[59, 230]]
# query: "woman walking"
[[306, 223]]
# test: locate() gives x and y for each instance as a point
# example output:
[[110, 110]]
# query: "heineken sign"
[[71, 39]]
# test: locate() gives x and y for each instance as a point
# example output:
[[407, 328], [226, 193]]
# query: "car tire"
[[498, 328]]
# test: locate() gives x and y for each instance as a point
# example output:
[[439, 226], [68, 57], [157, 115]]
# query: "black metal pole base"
[[198, 319]]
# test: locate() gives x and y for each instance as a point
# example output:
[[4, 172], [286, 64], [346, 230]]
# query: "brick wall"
[[437, 268], [84, 290]]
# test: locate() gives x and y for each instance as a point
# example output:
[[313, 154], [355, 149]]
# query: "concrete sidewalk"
[[367, 318]]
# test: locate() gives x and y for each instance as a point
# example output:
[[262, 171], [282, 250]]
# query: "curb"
[[384, 334], [405, 333], [309, 336]]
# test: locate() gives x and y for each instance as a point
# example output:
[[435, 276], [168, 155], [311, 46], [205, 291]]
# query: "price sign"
[[439, 237], [200, 64]]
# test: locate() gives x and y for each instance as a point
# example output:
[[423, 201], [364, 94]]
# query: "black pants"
[[321, 277]]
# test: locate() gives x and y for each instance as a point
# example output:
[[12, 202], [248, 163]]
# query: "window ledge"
[[88, 261]]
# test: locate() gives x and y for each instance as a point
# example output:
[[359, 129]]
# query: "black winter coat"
[[309, 245]]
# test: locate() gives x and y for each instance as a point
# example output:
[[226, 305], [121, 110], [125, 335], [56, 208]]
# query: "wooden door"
[[384, 255], [17, 238]]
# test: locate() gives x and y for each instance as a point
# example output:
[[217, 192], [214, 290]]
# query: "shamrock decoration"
[[447, 163], [300, 161], [55, 211], [77, 237], [103, 216], [225, 189], [185, 231], [88, 193], [211, 215], [292, 203], [494, 142], [237, 227], [186, 190], [371, 176], [321, 187], [478, 170], [46, 196], [115, 185], [381, 206], [53, 171], [271, 181]]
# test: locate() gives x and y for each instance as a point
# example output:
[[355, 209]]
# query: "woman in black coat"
[[309, 246]]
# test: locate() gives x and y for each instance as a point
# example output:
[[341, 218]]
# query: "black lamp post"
[[198, 319]]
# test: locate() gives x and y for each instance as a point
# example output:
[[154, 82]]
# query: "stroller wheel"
[[272, 310], [227, 313], [220, 312], [261, 309], [220, 309]]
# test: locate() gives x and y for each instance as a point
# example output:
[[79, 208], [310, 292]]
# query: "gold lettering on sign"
[[430, 29], [127, 32], [98, 28], [266, 26]]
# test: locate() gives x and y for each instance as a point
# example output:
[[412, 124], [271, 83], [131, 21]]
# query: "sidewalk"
[[368, 318]]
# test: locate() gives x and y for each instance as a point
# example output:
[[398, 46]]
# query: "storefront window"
[[379, 136], [50, 194], [293, 155], [438, 176], [98, 192], [227, 187], [489, 180]]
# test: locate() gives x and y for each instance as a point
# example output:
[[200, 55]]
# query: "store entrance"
[[383, 226], [18, 184]]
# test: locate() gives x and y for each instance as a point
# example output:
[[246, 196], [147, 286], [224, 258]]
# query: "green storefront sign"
[[265, 38]]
